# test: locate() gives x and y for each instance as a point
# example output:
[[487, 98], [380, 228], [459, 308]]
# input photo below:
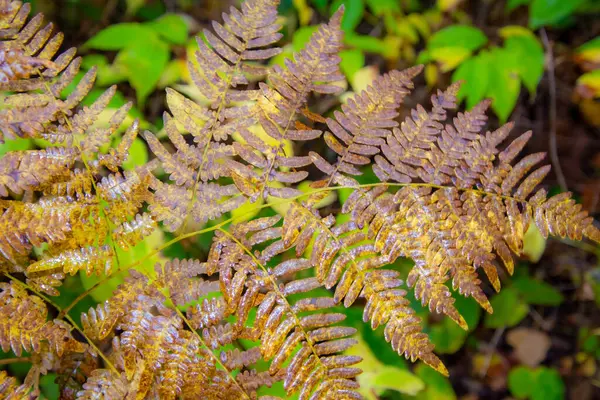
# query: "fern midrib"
[[216, 115], [276, 289], [260, 207]]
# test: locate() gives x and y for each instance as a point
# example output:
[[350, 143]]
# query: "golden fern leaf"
[[314, 70], [361, 128], [23, 324], [104, 384], [181, 278], [246, 36], [96, 260], [316, 371]]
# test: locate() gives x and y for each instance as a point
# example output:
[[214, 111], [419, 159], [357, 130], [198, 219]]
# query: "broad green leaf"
[[449, 57], [593, 44], [474, 73], [589, 84], [15, 145], [520, 382], [537, 292], [383, 7], [512, 4], [589, 54], [352, 61], [534, 244], [302, 36], [246, 211], [119, 36], [377, 377], [548, 385], [145, 63], [419, 21], [530, 54], [50, 389], [367, 44], [504, 83], [467, 37], [170, 27], [437, 387], [138, 154], [447, 336], [550, 12], [509, 309], [353, 13], [514, 30], [176, 70]]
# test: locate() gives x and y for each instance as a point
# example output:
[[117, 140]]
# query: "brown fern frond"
[[96, 260], [361, 128], [314, 70], [182, 279], [24, 325], [316, 371]]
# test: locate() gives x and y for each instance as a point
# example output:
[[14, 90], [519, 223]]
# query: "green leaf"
[[512, 4], [302, 36], [474, 73], [548, 385], [520, 382], [537, 292], [353, 13], [377, 377], [589, 84], [509, 309], [593, 44], [450, 57], [119, 36], [464, 36], [352, 61], [530, 54], [504, 83], [383, 7], [447, 336], [138, 154], [437, 387], [15, 145], [392, 378], [550, 12], [534, 244], [367, 44], [170, 27], [144, 63]]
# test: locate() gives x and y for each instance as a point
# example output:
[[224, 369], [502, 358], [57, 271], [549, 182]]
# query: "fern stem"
[[280, 294], [215, 358], [260, 207], [7, 361]]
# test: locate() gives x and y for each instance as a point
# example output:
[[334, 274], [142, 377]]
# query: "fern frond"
[[182, 279], [314, 70], [96, 260], [24, 325], [316, 371]]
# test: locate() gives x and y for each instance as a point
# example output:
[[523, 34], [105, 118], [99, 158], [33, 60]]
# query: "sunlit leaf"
[[463, 36], [170, 27], [509, 309], [504, 82], [474, 72], [530, 54], [119, 36]]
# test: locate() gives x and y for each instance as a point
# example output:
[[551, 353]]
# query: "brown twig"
[[552, 140], [490, 350]]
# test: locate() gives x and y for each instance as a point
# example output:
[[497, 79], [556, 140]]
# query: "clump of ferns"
[[264, 307]]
